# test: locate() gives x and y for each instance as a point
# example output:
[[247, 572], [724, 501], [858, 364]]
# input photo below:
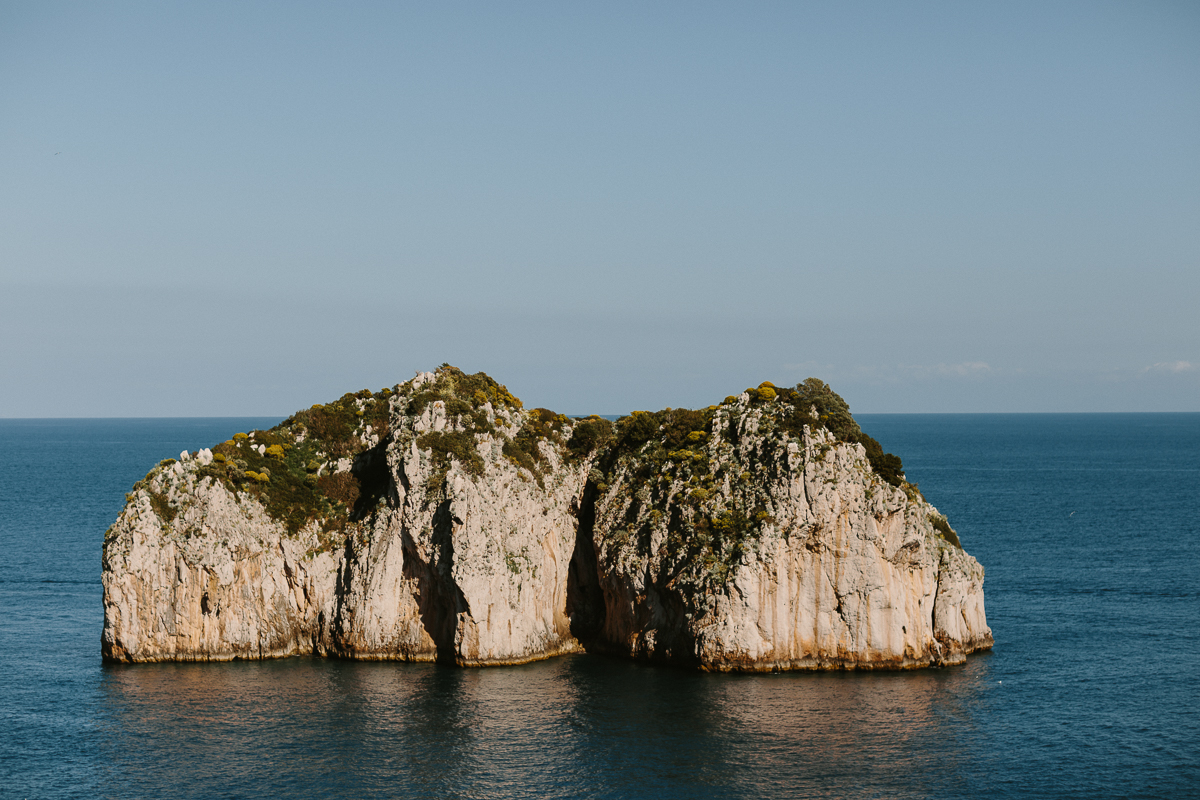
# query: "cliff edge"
[[440, 520]]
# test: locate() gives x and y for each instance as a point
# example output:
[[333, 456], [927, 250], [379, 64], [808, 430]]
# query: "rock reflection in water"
[[569, 727]]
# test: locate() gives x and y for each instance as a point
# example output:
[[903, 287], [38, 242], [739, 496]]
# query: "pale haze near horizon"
[[247, 208]]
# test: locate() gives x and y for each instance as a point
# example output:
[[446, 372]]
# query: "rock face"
[[470, 568], [788, 555], [443, 521]]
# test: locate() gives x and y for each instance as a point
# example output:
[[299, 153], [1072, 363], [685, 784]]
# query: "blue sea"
[[1088, 526]]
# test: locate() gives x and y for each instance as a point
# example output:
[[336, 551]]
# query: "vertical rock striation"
[[443, 521]]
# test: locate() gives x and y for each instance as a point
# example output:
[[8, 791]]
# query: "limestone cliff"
[[441, 520], [744, 546]]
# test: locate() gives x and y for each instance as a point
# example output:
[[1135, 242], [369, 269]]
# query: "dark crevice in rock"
[[585, 599], [343, 611], [375, 481], [440, 599]]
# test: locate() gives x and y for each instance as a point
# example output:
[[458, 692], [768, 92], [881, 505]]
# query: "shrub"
[[764, 394], [636, 429], [833, 414], [333, 427], [295, 495], [540, 425], [462, 393], [457, 445], [832, 411], [886, 465], [942, 526], [678, 424], [519, 454], [589, 434], [340, 488], [162, 507], [724, 538]]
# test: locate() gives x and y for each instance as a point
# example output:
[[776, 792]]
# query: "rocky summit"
[[440, 520]]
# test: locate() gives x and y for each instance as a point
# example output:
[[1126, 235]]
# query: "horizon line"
[[607, 416]]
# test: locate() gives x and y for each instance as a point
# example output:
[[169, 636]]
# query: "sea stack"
[[440, 520]]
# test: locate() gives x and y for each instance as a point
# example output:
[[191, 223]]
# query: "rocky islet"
[[440, 520]]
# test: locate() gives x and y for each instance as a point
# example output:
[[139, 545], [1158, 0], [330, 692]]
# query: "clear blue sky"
[[245, 208]]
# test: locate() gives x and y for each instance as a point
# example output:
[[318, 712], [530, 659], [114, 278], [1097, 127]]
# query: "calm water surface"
[[1088, 525]]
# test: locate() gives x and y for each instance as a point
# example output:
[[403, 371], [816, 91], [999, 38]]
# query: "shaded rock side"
[[753, 549]]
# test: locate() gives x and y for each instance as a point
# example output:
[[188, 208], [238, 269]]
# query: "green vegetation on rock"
[[833, 414], [298, 469], [162, 506], [447, 445], [590, 434], [281, 477], [465, 397], [942, 526], [541, 424], [688, 474]]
